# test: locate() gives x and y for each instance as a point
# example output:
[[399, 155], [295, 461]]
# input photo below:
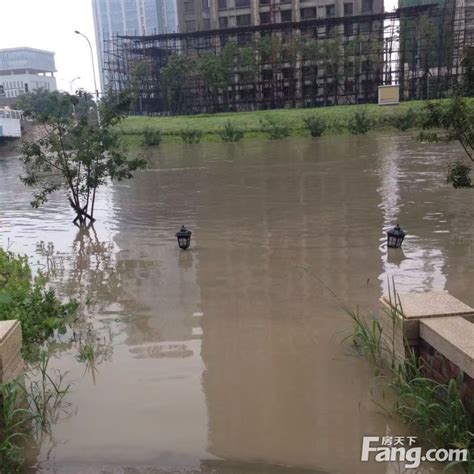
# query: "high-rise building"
[[170, 16], [25, 70], [194, 15], [130, 17]]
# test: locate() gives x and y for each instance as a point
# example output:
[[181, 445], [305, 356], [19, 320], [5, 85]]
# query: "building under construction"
[[307, 63]]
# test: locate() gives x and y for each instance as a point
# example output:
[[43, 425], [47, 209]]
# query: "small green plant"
[[275, 129], [360, 123], [45, 393], [27, 299], [13, 428], [315, 124], [230, 133], [191, 135], [405, 120], [432, 407], [27, 412], [93, 351], [367, 336], [152, 137], [458, 175], [437, 408]]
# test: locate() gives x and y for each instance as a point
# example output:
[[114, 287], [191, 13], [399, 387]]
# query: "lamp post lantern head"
[[184, 238], [395, 237]]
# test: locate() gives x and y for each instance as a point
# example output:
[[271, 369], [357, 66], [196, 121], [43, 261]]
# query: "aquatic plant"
[[432, 407], [13, 428], [436, 409], [151, 137], [191, 135], [360, 122], [45, 391], [367, 336], [93, 351], [275, 129], [230, 133], [28, 410], [315, 124], [405, 120]]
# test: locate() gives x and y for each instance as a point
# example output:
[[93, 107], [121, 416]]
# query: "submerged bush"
[[315, 124], [230, 133], [191, 135], [27, 299], [405, 120], [360, 123], [152, 137], [275, 129], [458, 175]]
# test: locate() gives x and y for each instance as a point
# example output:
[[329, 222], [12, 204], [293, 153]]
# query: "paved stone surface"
[[11, 362], [453, 337], [5, 328], [430, 305]]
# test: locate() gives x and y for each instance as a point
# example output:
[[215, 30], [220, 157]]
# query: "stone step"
[[11, 362], [453, 337], [415, 307]]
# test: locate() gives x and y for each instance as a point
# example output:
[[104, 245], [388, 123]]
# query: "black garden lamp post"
[[395, 237], [184, 238]]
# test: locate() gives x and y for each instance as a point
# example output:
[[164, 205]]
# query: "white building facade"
[[25, 70]]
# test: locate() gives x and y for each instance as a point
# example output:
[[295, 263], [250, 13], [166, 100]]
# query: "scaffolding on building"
[[310, 63]]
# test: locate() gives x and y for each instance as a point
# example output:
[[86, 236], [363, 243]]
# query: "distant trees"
[[76, 155], [468, 65], [140, 80], [174, 79], [192, 82], [43, 104]]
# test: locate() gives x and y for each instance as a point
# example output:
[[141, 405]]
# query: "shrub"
[[191, 135], [404, 121], [274, 128], [230, 133], [27, 299], [151, 137], [458, 175], [360, 123], [315, 124]]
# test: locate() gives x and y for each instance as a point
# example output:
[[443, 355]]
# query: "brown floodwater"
[[229, 358]]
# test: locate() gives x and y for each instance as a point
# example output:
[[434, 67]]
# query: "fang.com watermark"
[[402, 449]]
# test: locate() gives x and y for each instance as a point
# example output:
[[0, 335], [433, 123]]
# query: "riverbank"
[[252, 124]]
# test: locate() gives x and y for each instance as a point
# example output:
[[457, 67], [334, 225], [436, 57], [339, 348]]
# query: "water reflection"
[[228, 358], [409, 178]]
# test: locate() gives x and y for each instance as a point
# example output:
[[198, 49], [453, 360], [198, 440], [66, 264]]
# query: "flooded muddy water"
[[229, 357]]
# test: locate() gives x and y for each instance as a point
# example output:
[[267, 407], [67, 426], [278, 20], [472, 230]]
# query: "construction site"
[[307, 63]]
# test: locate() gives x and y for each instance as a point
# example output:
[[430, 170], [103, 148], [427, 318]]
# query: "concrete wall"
[[10, 127]]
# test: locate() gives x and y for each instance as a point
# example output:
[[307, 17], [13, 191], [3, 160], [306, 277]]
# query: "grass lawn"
[[250, 122]]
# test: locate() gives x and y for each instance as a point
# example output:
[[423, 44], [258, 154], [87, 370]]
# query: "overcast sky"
[[50, 25]]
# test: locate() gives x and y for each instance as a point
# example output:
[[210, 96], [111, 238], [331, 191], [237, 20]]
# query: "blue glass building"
[[130, 17]]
